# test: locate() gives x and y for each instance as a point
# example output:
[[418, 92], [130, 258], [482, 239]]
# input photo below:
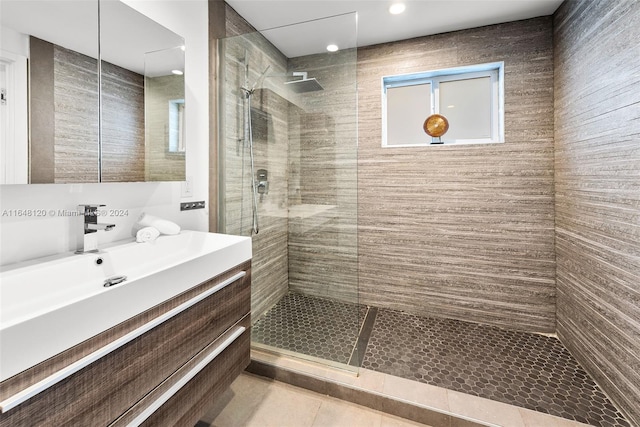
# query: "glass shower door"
[[288, 179]]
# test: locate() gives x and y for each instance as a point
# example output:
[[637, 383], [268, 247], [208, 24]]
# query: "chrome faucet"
[[87, 239]]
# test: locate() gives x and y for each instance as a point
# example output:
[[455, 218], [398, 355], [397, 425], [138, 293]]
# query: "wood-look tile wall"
[[75, 117], [597, 164], [123, 125], [468, 232], [465, 232], [270, 264], [307, 143], [41, 112], [323, 179], [217, 31], [64, 103]]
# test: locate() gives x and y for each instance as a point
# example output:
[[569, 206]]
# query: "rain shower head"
[[303, 85]]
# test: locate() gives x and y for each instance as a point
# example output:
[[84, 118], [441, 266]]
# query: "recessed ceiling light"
[[183, 48], [397, 8], [177, 72], [332, 48]]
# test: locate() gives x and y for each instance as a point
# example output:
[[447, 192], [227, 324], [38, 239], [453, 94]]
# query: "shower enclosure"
[[288, 179]]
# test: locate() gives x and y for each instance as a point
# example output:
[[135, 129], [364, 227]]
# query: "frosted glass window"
[[471, 98], [176, 126], [467, 106], [407, 107]]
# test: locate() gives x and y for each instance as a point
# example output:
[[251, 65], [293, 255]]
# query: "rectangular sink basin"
[[52, 304]]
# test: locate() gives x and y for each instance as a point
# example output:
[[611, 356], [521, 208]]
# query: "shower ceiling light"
[[332, 48], [177, 72], [397, 8]]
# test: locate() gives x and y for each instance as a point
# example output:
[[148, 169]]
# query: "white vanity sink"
[[49, 306]]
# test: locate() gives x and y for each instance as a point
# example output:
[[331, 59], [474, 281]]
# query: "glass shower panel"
[[288, 179]]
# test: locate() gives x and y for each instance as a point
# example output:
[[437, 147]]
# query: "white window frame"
[[494, 70], [176, 126]]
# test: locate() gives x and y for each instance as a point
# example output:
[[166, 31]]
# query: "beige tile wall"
[[76, 126], [597, 114], [462, 231], [323, 179], [269, 264], [123, 125], [307, 239], [64, 104], [41, 112], [468, 232]]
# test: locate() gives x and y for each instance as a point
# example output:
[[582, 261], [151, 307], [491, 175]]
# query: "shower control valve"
[[262, 183], [263, 187]]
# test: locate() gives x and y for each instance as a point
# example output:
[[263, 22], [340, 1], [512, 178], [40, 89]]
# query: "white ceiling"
[[374, 22]]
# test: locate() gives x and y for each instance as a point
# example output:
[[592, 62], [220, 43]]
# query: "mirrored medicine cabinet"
[[92, 91]]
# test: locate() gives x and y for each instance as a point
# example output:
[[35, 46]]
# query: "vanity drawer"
[[189, 392], [102, 391]]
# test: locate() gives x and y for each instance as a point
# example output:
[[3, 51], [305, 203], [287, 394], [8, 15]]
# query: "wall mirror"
[[93, 91]]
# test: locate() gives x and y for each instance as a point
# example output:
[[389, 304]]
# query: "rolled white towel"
[[147, 234], [162, 225]]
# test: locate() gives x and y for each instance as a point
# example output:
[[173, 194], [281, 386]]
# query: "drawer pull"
[[149, 410], [26, 394]]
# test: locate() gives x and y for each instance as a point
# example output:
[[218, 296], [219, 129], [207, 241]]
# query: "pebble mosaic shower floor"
[[523, 369]]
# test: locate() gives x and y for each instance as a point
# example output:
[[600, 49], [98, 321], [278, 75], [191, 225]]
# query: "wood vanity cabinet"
[[168, 376]]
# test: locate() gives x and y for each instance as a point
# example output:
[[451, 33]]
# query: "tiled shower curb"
[[368, 398]]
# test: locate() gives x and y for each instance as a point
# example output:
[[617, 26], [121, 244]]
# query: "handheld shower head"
[[249, 91], [262, 76]]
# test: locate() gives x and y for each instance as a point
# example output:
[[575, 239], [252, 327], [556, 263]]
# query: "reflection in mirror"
[[69, 91], [59, 39], [176, 126], [165, 110], [142, 55]]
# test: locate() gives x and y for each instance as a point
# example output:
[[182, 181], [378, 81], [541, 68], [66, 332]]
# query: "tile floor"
[[523, 369], [313, 326], [528, 370], [253, 401], [422, 397]]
